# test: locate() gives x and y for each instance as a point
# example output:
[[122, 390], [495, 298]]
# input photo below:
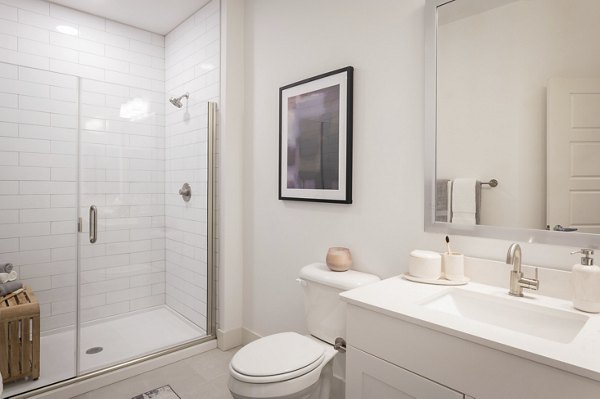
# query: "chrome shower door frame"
[[211, 292]]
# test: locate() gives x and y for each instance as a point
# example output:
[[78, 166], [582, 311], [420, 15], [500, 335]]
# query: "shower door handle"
[[93, 224]]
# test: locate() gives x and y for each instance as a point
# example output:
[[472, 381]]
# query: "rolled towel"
[[9, 287], [6, 277], [6, 268]]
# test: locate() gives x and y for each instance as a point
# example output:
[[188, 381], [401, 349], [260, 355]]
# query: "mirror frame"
[[581, 240]]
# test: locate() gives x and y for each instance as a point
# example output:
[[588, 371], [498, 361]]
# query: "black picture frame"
[[315, 138]]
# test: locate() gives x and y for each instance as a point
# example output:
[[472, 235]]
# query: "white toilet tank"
[[325, 311]]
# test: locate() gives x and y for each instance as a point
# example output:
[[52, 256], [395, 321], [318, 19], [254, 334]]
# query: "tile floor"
[[202, 376]]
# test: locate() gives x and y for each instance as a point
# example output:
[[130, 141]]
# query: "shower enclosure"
[[106, 202]]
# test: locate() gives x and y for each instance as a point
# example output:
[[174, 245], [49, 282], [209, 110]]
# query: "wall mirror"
[[513, 97]]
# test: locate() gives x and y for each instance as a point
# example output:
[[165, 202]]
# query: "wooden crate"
[[20, 337]]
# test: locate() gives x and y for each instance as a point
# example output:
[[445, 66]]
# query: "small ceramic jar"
[[425, 264], [339, 259]]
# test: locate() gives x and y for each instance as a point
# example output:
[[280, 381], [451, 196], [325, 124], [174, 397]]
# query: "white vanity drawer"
[[370, 377]]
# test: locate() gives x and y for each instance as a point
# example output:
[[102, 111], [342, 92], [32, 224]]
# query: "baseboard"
[[338, 388], [229, 339], [249, 336], [90, 384]]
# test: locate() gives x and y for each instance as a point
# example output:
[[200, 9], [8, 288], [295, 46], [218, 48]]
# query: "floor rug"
[[164, 392]]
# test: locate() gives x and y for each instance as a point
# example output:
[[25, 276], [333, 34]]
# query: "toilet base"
[[308, 393]]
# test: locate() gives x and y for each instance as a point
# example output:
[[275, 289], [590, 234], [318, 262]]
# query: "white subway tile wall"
[[122, 158], [191, 65], [134, 156], [38, 187]]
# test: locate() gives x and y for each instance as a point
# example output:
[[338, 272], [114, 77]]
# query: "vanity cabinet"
[[389, 357], [370, 377]]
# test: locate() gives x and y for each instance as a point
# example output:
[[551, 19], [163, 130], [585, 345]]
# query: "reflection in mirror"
[[518, 100]]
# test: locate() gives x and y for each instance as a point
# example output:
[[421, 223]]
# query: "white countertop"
[[401, 299]]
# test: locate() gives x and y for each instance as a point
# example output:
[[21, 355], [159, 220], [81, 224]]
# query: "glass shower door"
[[122, 239]]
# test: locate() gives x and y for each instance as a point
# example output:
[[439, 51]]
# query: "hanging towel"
[[6, 277], [443, 200], [9, 287], [465, 201]]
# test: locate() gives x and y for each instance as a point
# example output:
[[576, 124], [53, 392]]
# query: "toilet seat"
[[277, 377], [276, 358]]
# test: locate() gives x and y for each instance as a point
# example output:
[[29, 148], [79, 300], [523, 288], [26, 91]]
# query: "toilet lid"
[[276, 354]]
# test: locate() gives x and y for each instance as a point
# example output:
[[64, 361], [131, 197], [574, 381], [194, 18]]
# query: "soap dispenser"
[[586, 283]]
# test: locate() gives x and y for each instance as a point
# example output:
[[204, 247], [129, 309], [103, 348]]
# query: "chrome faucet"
[[517, 281]]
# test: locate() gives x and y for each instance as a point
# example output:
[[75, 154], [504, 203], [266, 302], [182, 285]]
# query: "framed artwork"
[[315, 138]]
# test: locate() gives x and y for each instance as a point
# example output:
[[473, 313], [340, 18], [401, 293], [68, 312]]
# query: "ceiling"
[[158, 16]]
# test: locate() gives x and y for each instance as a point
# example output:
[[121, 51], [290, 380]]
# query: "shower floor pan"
[[120, 339]]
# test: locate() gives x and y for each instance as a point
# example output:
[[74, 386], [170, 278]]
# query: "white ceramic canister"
[[425, 264]]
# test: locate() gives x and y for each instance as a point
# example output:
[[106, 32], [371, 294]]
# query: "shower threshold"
[[121, 339]]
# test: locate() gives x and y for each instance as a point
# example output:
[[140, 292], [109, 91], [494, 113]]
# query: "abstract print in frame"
[[315, 138]]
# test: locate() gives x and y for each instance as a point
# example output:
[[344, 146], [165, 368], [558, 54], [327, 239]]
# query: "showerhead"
[[177, 101]]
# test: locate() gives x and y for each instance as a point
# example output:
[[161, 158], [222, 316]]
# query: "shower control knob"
[[186, 192]]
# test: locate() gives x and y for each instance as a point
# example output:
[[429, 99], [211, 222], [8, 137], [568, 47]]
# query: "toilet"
[[294, 366]]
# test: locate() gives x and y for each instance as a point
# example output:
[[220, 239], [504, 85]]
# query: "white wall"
[[287, 41], [492, 98], [192, 65], [231, 189]]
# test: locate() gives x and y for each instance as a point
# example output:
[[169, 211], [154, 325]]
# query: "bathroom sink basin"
[[510, 313]]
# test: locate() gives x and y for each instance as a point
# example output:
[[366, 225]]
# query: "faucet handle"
[[584, 252], [586, 259], [530, 283]]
